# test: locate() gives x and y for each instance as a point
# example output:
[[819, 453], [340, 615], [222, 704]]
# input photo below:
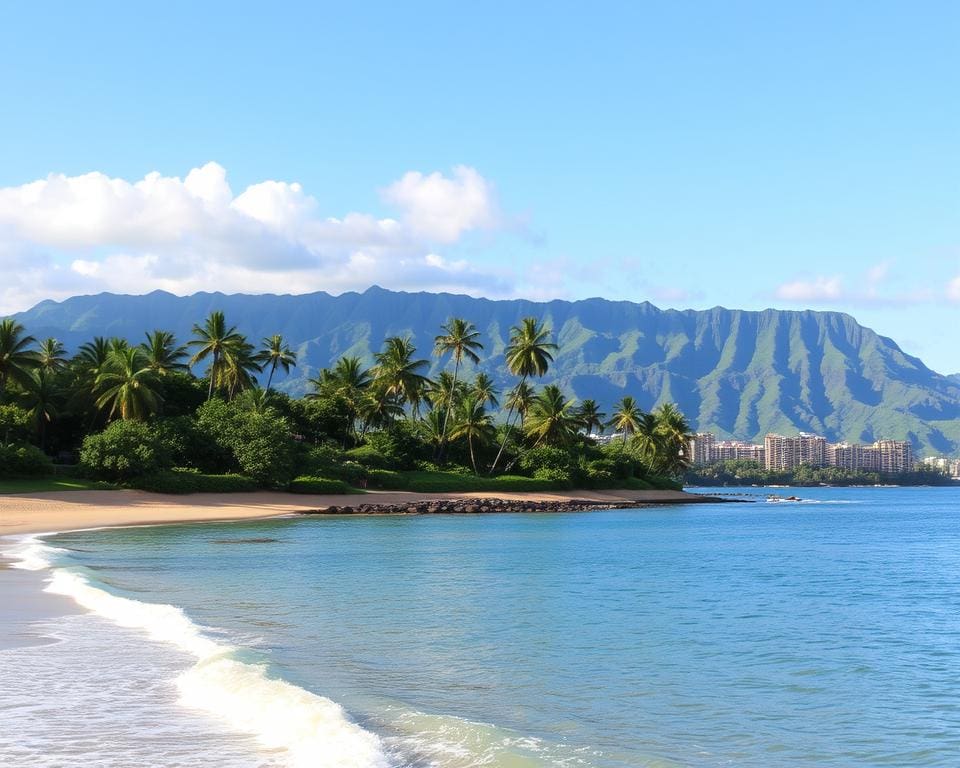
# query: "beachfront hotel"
[[783, 452]]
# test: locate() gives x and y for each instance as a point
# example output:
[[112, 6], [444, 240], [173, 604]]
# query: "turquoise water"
[[824, 633]]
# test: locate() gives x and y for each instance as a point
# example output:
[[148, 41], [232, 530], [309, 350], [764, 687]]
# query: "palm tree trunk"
[[273, 369], [446, 416], [506, 434], [472, 459], [211, 372]]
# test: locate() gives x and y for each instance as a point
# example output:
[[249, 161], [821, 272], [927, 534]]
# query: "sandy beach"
[[68, 510]]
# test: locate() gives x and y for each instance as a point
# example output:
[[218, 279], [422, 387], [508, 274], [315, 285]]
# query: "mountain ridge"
[[738, 373]]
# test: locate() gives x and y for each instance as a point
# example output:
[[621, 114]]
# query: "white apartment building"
[[782, 452]]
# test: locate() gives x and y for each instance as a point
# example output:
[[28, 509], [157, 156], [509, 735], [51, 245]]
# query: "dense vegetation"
[[741, 472], [738, 374], [138, 415]]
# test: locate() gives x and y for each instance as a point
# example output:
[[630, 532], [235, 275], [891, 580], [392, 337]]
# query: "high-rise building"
[[781, 452], [700, 449], [895, 455]]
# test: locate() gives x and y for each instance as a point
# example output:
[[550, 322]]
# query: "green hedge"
[[185, 481], [24, 460], [448, 482], [388, 480], [308, 484]]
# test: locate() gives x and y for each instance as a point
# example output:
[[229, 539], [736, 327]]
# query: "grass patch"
[[41, 484], [452, 482]]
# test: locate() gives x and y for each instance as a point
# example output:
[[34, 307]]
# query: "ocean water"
[[820, 633]]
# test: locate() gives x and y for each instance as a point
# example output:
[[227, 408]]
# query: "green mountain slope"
[[739, 374]]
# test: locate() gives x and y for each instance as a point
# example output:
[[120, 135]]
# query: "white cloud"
[[953, 289], [64, 235], [817, 289], [440, 208]]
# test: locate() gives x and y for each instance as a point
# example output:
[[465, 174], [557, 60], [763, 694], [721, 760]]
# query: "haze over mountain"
[[737, 373]]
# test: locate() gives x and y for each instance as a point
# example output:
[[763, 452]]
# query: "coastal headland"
[[69, 510]]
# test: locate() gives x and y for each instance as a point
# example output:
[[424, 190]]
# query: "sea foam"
[[313, 730]]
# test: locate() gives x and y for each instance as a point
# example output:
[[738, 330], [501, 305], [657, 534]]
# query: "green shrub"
[[24, 460], [259, 443], [369, 456], [637, 484], [400, 444], [449, 482], [123, 451], [387, 479], [181, 481], [319, 485], [559, 478], [545, 458]]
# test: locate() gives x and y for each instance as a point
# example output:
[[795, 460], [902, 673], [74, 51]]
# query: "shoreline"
[[58, 511]]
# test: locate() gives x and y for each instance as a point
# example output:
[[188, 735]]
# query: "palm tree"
[[93, 355], [430, 428], [485, 390], [16, 359], [591, 417], [472, 422], [460, 339], [347, 380], [275, 353], [41, 398], [648, 440], [379, 409], [444, 394], [528, 354], [163, 354], [127, 386], [674, 433], [240, 367], [52, 356], [552, 419], [398, 375], [218, 342], [519, 399], [626, 417]]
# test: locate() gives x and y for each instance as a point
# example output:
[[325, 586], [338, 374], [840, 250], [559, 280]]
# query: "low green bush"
[[319, 485], [24, 460], [186, 481], [387, 480], [370, 457], [125, 450], [449, 482]]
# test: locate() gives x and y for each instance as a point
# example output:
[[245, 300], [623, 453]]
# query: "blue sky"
[[693, 154]]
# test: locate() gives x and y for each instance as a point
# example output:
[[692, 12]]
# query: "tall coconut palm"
[[16, 357], [485, 390], [398, 375], [93, 355], [647, 440], [127, 386], [444, 394], [460, 339], [591, 417], [626, 417], [519, 399], [41, 398], [347, 380], [379, 409], [239, 370], [529, 353], [472, 422], [218, 342], [552, 419], [51, 356], [674, 432], [276, 353], [430, 428], [163, 354]]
